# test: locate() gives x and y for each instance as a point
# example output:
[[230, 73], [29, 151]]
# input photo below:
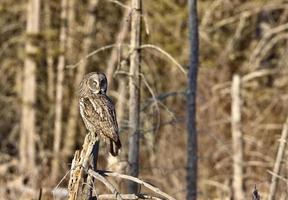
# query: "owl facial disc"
[[94, 84]]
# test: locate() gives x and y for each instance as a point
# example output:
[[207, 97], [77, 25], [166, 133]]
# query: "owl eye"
[[94, 83]]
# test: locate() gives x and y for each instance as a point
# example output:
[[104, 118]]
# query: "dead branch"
[[94, 53], [106, 183], [278, 176], [120, 4], [136, 180], [165, 54], [248, 13], [279, 157], [128, 197], [246, 78]]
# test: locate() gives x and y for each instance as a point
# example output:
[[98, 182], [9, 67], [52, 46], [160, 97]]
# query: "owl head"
[[93, 83]]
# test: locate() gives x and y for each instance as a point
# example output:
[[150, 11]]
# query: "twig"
[[246, 78], [166, 54], [278, 176], [95, 52], [96, 175], [127, 197], [155, 101], [120, 4], [161, 97], [279, 157], [136, 180], [63, 178]]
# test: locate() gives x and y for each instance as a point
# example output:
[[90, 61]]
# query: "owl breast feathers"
[[98, 111]]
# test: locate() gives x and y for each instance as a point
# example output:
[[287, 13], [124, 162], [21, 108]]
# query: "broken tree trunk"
[[81, 163]]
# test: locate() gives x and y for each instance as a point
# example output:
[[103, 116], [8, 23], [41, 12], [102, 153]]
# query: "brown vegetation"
[[246, 39]]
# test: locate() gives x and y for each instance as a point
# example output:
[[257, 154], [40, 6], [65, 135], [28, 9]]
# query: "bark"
[[278, 161], [59, 92], [237, 139], [78, 186], [134, 90], [192, 145], [27, 137], [73, 115]]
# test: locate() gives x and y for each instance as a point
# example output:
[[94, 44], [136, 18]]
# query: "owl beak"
[[96, 91], [102, 91]]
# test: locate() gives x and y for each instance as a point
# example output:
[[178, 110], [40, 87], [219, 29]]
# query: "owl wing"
[[99, 111]]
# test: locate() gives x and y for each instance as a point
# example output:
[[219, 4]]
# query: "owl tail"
[[115, 147]]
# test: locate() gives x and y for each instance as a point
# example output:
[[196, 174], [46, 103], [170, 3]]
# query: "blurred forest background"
[[238, 38]]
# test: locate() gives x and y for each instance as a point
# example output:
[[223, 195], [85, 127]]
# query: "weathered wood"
[[237, 139], [136, 181], [278, 161], [134, 90], [80, 164]]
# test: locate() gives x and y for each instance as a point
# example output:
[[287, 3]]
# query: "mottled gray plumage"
[[98, 111]]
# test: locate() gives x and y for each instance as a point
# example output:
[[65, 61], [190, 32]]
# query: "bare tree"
[[134, 91], [28, 130], [191, 103], [59, 91], [237, 139]]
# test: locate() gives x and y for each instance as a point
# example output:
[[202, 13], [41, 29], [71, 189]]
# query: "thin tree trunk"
[[27, 137], [134, 90], [237, 139], [49, 58], [49, 70], [114, 54], [192, 145], [71, 29], [59, 92], [279, 158], [73, 115], [112, 61]]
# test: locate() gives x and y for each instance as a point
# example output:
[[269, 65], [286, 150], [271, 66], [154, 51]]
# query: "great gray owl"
[[97, 110]]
